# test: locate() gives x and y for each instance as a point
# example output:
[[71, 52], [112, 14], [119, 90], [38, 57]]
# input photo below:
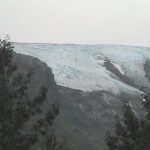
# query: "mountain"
[[93, 81]]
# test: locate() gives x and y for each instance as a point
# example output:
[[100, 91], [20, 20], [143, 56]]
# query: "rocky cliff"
[[42, 75]]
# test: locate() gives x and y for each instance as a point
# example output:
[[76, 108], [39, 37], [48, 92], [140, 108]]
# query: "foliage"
[[131, 133], [16, 107]]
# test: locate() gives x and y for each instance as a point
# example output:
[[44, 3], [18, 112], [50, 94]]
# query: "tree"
[[145, 123], [131, 133], [43, 130], [16, 107], [126, 131]]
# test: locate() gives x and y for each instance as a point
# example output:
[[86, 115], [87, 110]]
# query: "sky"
[[121, 22]]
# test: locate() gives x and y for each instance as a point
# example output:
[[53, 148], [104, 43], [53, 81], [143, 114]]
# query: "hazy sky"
[[77, 21]]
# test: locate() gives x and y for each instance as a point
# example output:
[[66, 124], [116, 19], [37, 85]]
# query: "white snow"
[[119, 67], [100, 60], [81, 66]]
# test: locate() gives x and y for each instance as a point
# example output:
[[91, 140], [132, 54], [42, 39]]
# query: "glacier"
[[82, 66]]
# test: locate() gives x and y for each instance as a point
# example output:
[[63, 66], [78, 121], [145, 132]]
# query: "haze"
[[125, 22]]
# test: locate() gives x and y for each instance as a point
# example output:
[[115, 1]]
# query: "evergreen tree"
[[16, 107], [145, 123], [127, 131], [131, 133]]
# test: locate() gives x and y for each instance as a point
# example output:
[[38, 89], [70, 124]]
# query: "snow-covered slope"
[[82, 66]]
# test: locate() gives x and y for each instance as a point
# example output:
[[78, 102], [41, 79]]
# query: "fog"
[[125, 22]]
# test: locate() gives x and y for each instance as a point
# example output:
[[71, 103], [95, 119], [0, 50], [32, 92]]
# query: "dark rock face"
[[88, 116], [110, 67], [42, 75], [147, 69]]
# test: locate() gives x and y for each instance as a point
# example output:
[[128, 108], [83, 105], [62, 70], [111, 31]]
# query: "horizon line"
[[109, 44]]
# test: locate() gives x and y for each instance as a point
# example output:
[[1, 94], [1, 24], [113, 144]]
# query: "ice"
[[81, 66]]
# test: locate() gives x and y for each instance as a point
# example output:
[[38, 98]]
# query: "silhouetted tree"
[[131, 133], [145, 123], [16, 107], [43, 130]]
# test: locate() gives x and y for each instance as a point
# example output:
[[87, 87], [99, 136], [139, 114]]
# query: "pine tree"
[[145, 123], [16, 107], [131, 133], [127, 131], [43, 130]]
